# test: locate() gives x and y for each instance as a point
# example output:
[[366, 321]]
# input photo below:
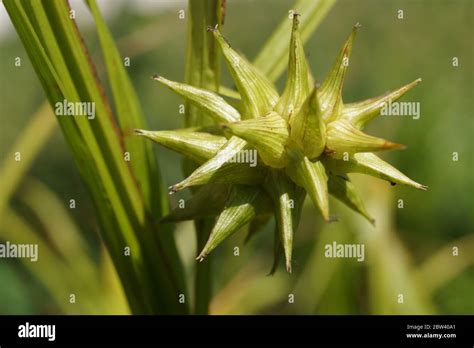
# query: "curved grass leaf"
[[60, 59]]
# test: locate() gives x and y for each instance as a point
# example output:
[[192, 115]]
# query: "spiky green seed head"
[[303, 142]]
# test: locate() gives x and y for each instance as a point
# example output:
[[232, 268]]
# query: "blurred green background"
[[409, 252]]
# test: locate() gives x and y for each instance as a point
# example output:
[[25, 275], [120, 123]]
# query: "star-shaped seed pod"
[[307, 141]]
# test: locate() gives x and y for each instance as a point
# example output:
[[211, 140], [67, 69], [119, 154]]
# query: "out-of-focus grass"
[[28, 145], [65, 269], [65, 265]]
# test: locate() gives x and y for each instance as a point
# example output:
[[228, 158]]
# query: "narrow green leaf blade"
[[130, 116], [297, 86], [60, 58], [142, 160], [29, 143]]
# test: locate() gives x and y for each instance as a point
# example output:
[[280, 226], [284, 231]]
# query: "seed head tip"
[[173, 189]]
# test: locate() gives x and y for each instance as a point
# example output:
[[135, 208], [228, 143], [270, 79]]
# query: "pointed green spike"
[[223, 168], [228, 173], [297, 87], [330, 93], [257, 93], [257, 224], [207, 201], [360, 113], [342, 137], [344, 190], [312, 177], [208, 102], [308, 130], [370, 164], [197, 146], [267, 134], [287, 201], [241, 207]]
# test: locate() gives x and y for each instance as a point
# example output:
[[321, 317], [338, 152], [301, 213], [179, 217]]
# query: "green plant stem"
[[202, 70], [29, 144]]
